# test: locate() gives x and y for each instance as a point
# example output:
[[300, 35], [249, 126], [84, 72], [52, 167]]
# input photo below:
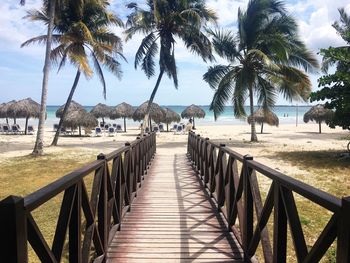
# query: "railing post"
[[343, 240], [127, 171], [103, 228], [279, 227], [220, 184], [13, 230], [248, 205], [206, 161]]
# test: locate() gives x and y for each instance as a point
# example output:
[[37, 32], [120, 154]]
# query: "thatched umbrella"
[[80, 118], [193, 111], [101, 111], [4, 110], [156, 113], [73, 106], [319, 114], [26, 108], [122, 110], [170, 116], [262, 117]]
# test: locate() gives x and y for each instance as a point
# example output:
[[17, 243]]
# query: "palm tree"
[[39, 142], [265, 57], [81, 33], [161, 22]]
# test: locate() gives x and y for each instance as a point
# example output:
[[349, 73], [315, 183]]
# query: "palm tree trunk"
[[167, 127], [194, 126], [145, 120], [253, 137], [124, 124], [26, 127], [39, 143], [79, 131], [14, 120], [262, 127], [65, 110], [319, 127], [7, 120]]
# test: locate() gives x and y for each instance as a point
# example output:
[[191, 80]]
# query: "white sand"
[[286, 137]]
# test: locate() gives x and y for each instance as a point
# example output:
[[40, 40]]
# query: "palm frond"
[[214, 75], [224, 44], [99, 72], [144, 48]]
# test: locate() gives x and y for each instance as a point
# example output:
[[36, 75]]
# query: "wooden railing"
[[89, 221], [238, 196]]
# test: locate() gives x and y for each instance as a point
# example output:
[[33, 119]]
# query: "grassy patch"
[[23, 175]]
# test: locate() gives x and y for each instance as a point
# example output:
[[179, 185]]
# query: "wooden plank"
[[173, 219]]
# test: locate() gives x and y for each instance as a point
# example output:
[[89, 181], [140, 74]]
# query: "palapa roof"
[[171, 116], [4, 109], [157, 113], [101, 110], [318, 113], [122, 110], [193, 111], [73, 106], [80, 118], [262, 116], [26, 108]]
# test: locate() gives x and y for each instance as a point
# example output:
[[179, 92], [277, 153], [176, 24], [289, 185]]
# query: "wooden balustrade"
[[238, 196], [87, 220]]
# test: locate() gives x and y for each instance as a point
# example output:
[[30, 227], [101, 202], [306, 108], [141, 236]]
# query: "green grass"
[[23, 175]]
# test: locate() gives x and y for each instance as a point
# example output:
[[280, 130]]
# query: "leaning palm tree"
[[82, 33], [265, 58], [51, 6], [162, 22]]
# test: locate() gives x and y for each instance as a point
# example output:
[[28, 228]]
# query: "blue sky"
[[21, 68]]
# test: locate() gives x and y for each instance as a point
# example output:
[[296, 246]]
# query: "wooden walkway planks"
[[173, 220]]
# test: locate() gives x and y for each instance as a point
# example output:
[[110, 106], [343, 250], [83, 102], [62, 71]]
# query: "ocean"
[[286, 115]]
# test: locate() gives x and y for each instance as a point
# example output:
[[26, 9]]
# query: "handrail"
[[101, 214], [238, 197]]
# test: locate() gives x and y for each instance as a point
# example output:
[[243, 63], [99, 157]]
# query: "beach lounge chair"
[[30, 130], [16, 129], [174, 128], [98, 131], [107, 126], [179, 130], [63, 131], [55, 127], [119, 128], [147, 130], [111, 131], [161, 127], [114, 125], [156, 129], [6, 129]]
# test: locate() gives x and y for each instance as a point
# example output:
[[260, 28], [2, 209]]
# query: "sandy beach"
[[285, 138]]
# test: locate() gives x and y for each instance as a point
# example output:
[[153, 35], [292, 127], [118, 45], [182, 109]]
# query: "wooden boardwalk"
[[173, 219]]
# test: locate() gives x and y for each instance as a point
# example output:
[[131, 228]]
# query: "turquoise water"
[[286, 114]]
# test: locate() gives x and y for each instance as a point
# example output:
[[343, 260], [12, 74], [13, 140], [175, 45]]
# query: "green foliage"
[[82, 36], [336, 86], [162, 22], [266, 57]]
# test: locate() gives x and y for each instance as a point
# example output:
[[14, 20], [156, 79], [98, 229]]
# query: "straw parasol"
[[319, 114], [26, 108], [193, 111], [4, 110], [101, 111], [80, 118], [262, 117], [73, 106], [122, 110], [170, 116], [156, 113]]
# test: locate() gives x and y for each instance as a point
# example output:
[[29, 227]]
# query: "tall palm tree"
[[39, 142], [265, 58], [82, 33], [161, 23]]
